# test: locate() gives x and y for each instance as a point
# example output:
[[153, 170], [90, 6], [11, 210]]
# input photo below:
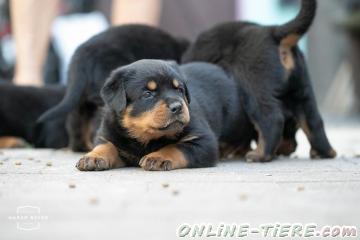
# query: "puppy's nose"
[[175, 107]]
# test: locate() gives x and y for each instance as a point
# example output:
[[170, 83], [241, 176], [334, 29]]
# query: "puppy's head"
[[150, 99]]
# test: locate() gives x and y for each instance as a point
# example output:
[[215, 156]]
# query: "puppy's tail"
[[291, 32], [72, 98]]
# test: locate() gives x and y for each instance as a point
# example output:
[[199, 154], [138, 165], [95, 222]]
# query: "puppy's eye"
[[148, 94], [180, 89]]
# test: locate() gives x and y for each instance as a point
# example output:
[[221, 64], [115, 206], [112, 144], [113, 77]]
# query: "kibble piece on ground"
[[49, 164], [301, 189], [165, 185], [72, 185], [17, 163], [93, 201]]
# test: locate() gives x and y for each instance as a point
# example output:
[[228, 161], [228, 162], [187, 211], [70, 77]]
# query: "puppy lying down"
[[162, 116]]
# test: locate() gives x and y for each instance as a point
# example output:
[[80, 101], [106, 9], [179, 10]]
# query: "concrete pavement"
[[133, 204]]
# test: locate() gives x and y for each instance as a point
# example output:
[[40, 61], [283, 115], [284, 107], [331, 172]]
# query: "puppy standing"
[[271, 74], [162, 117]]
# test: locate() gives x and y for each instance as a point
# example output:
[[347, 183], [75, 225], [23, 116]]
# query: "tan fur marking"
[[146, 127], [290, 40], [103, 157], [176, 83], [229, 151], [12, 142], [167, 158], [305, 127], [286, 56], [286, 147], [259, 153], [151, 85]]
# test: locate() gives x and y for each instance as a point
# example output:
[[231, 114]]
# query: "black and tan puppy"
[[20, 107], [272, 76], [93, 62], [163, 117]]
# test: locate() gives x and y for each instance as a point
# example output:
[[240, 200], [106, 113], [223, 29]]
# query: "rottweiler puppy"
[[93, 62], [20, 107], [162, 116], [271, 74]]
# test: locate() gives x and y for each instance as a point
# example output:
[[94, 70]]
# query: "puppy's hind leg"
[[269, 124], [288, 143], [310, 119], [79, 128]]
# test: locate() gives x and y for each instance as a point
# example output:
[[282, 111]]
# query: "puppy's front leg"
[[190, 152], [103, 157]]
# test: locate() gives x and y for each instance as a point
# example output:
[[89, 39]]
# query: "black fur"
[[273, 97], [20, 107], [93, 63], [212, 101]]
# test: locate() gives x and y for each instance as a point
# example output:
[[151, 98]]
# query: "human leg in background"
[[136, 11], [31, 23]]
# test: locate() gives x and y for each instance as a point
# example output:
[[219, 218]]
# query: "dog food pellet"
[[175, 192], [243, 197], [72, 185], [30, 159], [18, 163], [300, 189], [268, 175], [49, 164], [93, 201], [165, 185]]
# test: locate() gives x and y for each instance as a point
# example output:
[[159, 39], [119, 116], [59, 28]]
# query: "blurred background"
[[332, 46]]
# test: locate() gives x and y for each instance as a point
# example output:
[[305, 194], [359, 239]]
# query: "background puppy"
[[271, 74], [92, 64], [162, 117], [20, 107]]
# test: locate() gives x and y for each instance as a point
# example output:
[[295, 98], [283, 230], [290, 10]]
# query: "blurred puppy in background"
[[20, 107], [271, 74]]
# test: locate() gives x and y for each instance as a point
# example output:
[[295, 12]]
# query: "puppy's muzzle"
[[176, 107]]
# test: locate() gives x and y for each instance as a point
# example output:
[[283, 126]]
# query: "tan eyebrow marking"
[[152, 85], [176, 83]]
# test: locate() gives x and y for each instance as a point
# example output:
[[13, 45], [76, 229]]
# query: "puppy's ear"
[[113, 92]]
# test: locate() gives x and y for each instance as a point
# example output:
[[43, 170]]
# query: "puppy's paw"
[[254, 156], [329, 155], [90, 163], [155, 162]]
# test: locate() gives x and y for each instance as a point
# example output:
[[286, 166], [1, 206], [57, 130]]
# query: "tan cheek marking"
[[108, 152], [143, 127], [176, 83], [12, 142], [151, 85]]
